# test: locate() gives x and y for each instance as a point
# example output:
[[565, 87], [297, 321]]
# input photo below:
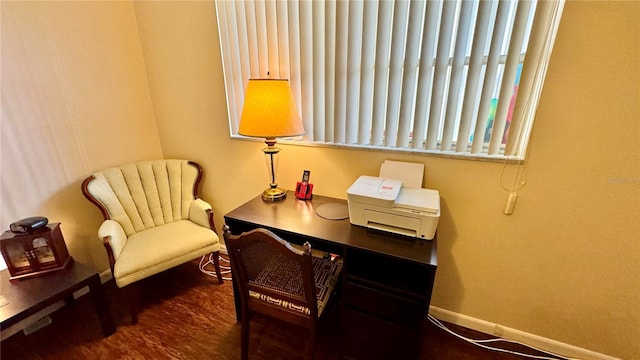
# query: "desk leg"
[[100, 302]]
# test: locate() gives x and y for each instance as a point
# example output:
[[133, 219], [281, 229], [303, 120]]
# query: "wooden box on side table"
[[34, 253]]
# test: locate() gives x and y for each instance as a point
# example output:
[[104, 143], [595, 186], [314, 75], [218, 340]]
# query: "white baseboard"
[[535, 341]]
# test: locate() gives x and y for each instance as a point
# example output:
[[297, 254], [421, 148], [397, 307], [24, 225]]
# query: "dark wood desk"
[[387, 279], [28, 296]]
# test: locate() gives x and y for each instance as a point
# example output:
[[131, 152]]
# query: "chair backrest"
[[144, 194], [265, 265]]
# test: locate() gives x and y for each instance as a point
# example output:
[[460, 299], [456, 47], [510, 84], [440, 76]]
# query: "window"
[[459, 78]]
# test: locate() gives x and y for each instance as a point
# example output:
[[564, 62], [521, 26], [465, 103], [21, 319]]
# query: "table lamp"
[[270, 112]]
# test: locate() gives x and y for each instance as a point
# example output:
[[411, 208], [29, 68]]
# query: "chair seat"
[[173, 244], [325, 275]]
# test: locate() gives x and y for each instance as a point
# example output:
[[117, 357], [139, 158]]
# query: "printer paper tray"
[[392, 229], [393, 223]]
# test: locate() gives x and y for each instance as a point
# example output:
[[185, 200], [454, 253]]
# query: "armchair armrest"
[[199, 213], [113, 237]]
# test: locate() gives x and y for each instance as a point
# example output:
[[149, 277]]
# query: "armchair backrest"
[[144, 194]]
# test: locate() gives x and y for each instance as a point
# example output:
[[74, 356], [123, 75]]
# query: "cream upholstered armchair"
[[153, 219]]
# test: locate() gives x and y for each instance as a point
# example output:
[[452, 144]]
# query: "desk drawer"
[[369, 338], [385, 305]]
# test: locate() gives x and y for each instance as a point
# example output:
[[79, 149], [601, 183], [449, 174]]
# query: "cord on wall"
[[520, 176], [481, 343]]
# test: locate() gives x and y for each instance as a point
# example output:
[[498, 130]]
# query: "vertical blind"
[[438, 76]]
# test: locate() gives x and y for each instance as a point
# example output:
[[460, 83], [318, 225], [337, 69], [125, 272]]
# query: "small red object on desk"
[[304, 189]]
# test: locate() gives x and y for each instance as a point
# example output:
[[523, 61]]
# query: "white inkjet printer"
[[386, 204]]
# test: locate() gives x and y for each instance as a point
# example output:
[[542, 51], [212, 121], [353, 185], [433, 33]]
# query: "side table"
[[28, 296]]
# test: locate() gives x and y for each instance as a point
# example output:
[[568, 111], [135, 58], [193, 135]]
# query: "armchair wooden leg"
[[216, 265], [133, 298]]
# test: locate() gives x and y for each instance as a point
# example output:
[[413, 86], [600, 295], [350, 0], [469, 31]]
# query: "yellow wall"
[[565, 265], [75, 100]]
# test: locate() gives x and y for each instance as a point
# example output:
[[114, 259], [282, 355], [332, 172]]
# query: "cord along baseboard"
[[508, 333]]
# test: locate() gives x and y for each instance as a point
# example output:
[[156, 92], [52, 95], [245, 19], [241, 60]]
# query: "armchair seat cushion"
[[162, 247]]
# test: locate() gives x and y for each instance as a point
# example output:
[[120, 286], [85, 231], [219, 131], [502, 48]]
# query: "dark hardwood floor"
[[187, 315]]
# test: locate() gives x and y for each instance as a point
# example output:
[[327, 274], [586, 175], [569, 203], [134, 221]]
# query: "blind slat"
[[440, 74], [400, 14], [424, 77], [457, 70], [383, 42], [354, 59], [339, 117], [473, 76], [262, 39], [330, 68], [319, 114], [271, 18], [238, 88], [294, 61], [243, 45], [227, 22], [306, 67], [367, 71], [252, 39], [416, 12], [283, 39]]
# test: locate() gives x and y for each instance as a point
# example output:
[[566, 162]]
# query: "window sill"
[[403, 151]]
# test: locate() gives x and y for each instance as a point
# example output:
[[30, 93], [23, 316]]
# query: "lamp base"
[[274, 194]]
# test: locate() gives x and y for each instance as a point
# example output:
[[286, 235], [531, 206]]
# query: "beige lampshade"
[[269, 110]]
